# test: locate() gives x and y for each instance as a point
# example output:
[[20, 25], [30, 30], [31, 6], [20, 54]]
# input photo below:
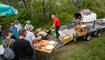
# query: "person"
[[18, 26], [1, 33], [29, 35], [14, 30], [28, 25], [56, 24], [8, 26], [8, 39], [23, 49]]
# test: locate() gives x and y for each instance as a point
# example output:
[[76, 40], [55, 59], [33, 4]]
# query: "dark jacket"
[[23, 49]]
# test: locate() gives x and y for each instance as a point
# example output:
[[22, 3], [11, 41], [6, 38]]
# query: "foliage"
[[39, 11], [96, 6]]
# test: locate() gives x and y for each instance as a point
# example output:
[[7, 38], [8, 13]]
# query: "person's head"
[[8, 33], [28, 22], [16, 22], [8, 26], [12, 25], [22, 35], [53, 16]]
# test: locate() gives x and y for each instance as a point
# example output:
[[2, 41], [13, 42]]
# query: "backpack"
[[8, 52]]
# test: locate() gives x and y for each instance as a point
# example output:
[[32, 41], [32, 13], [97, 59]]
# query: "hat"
[[16, 21], [28, 21]]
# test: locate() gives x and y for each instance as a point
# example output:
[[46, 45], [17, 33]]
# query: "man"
[[56, 24], [18, 26], [23, 49], [28, 25], [14, 30]]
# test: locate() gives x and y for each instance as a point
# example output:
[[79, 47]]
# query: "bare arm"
[[52, 26]]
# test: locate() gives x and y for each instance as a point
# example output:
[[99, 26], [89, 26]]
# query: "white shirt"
[[28, 26], [19, 27], [29, 36]]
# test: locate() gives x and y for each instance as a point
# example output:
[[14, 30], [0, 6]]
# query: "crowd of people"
[[20, 39]]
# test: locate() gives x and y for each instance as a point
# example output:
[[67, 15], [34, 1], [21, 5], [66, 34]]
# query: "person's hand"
[[50, 28], [39, 37]]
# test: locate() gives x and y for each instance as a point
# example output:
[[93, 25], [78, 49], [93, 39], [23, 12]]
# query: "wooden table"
[[46, 50]]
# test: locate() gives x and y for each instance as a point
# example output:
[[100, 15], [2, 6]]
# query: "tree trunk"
[[27, 6], [44, 10]]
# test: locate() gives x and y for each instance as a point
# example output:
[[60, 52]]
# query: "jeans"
[[57, 33]]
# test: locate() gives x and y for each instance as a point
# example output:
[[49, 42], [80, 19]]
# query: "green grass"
[[0, 41], [83, 50]]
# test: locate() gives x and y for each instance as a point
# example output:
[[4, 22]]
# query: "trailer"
[[86, 30]]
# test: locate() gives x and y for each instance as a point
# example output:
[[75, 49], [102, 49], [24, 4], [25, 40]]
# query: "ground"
[[83, 50]]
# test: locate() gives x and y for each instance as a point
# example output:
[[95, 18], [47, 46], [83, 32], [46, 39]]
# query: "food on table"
[[49, 47], [45, 42], [45, 30], [41, 46], [42, 33], [52, 42]]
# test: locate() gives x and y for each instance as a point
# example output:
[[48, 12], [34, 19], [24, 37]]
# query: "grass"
[[0, 41], [83, 50]]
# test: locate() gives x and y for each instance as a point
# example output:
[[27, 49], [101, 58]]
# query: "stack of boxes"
[[81, 30]]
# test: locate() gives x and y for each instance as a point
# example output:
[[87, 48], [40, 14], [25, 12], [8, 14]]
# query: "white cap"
[[28, 21]]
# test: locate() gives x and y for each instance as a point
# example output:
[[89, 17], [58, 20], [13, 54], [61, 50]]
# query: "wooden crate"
[[81, 30], [81, 33]]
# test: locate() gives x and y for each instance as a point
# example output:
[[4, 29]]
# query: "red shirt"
[[56, 22]]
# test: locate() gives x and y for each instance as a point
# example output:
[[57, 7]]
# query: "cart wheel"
[[88, 37], [95, 34], [99, 33]]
